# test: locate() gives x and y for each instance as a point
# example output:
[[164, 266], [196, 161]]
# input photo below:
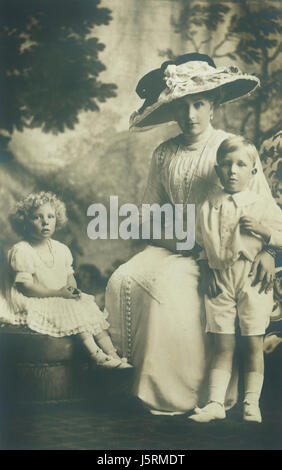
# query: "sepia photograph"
[[140, 209]]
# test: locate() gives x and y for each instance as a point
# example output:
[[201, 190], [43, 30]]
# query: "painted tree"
[[49, 63], [49, 73], [246, 31]]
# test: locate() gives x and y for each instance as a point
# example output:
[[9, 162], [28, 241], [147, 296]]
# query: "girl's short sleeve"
[[68, 261], [22, 263]]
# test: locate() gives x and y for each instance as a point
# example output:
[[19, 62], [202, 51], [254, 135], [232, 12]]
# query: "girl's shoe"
[[124, 364], [103, 360], [251, 413], [210, 412]]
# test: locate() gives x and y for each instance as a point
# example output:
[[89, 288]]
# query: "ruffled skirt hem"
[[59, 317]]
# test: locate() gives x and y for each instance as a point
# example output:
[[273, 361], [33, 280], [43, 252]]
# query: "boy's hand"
[[212, 289], [250, 224], [207, 283]]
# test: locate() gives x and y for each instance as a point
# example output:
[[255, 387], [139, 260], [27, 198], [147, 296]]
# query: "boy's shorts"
[[238, 301]]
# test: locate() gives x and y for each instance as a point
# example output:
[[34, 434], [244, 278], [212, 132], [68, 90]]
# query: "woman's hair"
[[236, 142], [214, 96], [24, 208]]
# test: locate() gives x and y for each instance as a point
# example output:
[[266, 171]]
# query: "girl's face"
[[193, 114], [42, 222], [235, 171]]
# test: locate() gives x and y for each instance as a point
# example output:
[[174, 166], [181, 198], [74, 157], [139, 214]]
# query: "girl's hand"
[[69, 292], [263, 270]]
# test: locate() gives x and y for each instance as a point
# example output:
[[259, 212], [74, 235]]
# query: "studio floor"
[[115, 421]]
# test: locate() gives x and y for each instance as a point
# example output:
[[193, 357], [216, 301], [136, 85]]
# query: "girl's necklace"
[[49, 264]]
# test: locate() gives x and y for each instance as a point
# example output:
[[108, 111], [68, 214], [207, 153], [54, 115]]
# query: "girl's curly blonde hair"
[[19, 218]]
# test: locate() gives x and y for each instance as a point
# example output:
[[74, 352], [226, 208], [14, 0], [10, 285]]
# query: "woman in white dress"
[[155, 309]]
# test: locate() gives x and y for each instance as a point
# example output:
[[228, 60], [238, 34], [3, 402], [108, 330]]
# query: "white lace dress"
[[156, 315], [54, 316]]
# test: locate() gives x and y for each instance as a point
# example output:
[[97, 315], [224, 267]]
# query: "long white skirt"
[[157, 320]]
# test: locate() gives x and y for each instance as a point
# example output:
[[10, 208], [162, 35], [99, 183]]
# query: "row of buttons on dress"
[[128, 316]]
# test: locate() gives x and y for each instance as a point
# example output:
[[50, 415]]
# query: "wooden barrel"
[[37, 368]]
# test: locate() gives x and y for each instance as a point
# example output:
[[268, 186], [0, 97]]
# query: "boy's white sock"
[[218, 383], [253, 385]]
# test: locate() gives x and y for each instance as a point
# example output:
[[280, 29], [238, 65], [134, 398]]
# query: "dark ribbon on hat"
[[153, 83]]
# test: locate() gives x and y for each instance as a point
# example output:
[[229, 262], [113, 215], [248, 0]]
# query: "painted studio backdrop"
[[68, 72]]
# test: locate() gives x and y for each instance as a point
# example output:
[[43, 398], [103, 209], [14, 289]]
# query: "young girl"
[[44, 295]]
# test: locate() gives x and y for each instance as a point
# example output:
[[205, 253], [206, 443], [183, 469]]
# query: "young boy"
[[233, 225]]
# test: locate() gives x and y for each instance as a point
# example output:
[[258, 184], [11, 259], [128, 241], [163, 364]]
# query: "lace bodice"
[[185, 174]]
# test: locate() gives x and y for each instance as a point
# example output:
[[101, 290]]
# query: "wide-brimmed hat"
[[188, 74]]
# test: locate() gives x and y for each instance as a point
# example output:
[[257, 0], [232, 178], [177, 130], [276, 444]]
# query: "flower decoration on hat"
[[186, 75]]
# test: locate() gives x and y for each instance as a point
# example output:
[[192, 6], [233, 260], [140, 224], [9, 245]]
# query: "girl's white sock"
[[218, 383], [105, 343], [89, 343], [253, 385]]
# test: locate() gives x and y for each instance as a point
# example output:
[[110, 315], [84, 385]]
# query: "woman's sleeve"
[[22, 263], [68, 261], [202, 255], [273, 220], [259, 183], [155, 192]]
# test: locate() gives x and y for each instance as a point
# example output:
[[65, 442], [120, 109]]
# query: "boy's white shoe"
[[210, 412], [251, 413]]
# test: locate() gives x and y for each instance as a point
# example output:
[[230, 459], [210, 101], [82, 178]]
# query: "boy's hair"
[[236, 142], [24, 208]]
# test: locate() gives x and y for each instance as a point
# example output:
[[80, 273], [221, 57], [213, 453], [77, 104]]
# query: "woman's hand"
[[69, 292], [207, 283], [263, 270]]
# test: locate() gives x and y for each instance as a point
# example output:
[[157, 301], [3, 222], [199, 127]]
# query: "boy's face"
[[235, 171]]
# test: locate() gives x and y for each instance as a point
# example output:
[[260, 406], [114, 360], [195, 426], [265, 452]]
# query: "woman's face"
[[193, 114]]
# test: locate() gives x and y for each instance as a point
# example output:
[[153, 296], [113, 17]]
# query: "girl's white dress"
[[156, 314], [55, 316]]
